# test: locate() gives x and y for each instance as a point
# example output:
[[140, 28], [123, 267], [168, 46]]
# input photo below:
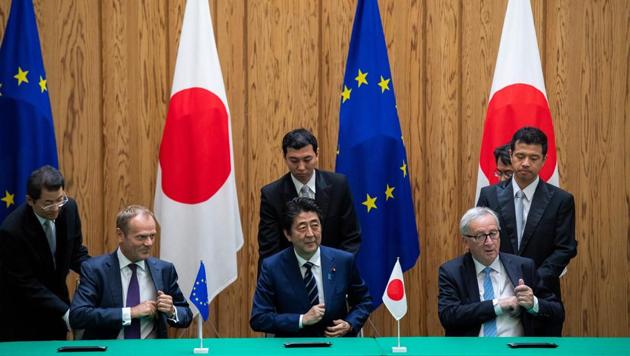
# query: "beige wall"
[[110, 65]]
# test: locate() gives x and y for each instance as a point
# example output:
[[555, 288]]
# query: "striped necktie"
[[518, 210], [311, 284]]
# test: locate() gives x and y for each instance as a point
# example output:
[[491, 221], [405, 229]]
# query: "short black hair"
[[530, 136], [503, 153], [44, 177], [296, 206], [297, 139]]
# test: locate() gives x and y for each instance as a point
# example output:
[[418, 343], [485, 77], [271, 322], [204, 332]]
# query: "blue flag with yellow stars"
[[199, 293], [371, 153], [27, 133]]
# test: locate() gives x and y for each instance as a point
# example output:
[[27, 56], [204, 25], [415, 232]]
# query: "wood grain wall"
[[110, 66]]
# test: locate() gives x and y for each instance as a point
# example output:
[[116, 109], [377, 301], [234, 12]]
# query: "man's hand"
[[509, 305], [165, 304], [144, 309], [314, 315], [340, 328], [524, 295]]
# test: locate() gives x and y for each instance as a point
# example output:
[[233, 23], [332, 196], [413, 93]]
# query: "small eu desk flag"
[[27, 133], [372, 155], [199, 294]]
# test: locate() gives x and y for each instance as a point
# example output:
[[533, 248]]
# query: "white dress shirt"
[[527, 199], [310, 184], [147, 292], [316, 270], [507, 324]]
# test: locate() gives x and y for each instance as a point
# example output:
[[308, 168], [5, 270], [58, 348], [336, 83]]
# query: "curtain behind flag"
[[195, 198], [27, 132], [372, 155], [518, 97]]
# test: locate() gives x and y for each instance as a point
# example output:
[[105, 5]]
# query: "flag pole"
[[399, 349], [200, 349]]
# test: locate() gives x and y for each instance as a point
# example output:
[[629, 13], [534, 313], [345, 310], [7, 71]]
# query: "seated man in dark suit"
[[487, 293], [129, 294], [330, 190], [40, 242], [302, 290]]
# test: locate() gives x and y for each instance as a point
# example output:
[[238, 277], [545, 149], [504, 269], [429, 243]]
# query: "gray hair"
[[474, 214]]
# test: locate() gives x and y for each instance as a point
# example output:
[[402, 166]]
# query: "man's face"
[[527, 160], [504, 171], [301, 162], [305, 234], [136, 245], [48, 204], [484, 250]]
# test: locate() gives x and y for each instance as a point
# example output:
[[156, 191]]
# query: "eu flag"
[[27, 134], [372, 155], [199, 293]]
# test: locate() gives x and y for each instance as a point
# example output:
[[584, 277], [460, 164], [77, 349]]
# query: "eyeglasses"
[[480, 238], [506, 174], [63, 200]]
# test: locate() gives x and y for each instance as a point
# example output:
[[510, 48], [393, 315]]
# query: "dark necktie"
[[520, 217], [133, 298], [311, 284]]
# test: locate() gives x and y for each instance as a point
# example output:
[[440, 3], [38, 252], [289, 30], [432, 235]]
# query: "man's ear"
[[120, 234], [287, 235], [29, 200]]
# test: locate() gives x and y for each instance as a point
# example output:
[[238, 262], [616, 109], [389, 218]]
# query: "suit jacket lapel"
[[469, 277], [37, 238], [288, 188], [154, 271], [322, 194], [505, 197], [294, 278], [513, 271], [328, 275], [112, 272], [542, 197]]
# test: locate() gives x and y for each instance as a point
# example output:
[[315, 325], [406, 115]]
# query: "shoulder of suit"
[[335, 252], [276, 184], [453, 263], [514, 258]]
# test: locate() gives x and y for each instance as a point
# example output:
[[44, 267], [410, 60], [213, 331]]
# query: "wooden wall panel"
[[110, 67]]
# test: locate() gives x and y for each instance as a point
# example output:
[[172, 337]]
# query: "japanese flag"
[[518, 97], [394, 297]]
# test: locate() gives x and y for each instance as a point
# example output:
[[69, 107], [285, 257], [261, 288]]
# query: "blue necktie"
[[490, 326], [311, 285], [133, 298]]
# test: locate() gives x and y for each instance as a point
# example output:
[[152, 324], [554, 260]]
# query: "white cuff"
[[126, 316]]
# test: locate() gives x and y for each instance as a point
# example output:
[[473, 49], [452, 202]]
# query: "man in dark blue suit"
[[330, 190], [538, 218], [40, 242], [302, 290], [487, 293], [129, 294]]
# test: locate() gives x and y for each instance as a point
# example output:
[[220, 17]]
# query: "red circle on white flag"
[[195, 149], [510, 109], [395, 290]]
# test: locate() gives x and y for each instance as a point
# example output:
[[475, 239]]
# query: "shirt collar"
[[41, 220], [495, 265], [310, 183], [529, 190], [315, 259], [123, 261]]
